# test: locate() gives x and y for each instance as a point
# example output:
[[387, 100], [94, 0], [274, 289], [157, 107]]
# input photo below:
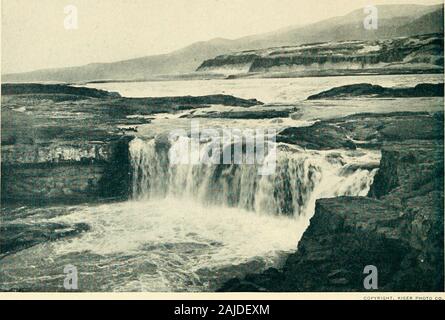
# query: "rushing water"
[[190, 227], [298, 179]]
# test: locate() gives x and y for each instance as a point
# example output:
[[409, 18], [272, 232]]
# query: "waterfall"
[[300, 177]]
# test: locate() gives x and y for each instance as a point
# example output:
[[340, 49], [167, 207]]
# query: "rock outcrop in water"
[[250, 114], [375, 91], [58, 90], [65, 143], [320, 136], [366, 130], [16, 237], [398, 228]]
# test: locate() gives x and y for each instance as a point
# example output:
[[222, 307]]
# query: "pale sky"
[[34, 37]]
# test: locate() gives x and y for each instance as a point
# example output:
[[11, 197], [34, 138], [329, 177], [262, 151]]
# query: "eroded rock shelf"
[[398, 228]]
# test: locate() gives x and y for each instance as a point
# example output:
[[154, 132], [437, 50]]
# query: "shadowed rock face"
[[366, 130], [320, 136], [398, 228], [16, 237], [254, 114], [66, 172], [56, 89], [375, 91]]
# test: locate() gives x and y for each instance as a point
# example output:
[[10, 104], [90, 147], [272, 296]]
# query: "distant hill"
[[180, 61], [394, 21], [429, 23]]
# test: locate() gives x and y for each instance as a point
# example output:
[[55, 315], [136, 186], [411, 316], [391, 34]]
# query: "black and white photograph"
[[222, 146]]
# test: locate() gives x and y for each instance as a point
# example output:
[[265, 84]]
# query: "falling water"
[[190, 227], [299, 179]]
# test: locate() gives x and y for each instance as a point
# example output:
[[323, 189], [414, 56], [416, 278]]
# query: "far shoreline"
[[246, 76]]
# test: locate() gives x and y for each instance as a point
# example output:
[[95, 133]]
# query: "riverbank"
[[397, 228], [63, 147]]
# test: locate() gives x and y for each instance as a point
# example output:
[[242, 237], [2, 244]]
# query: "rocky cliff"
[[398, 228], [407, 55], [64, 171]]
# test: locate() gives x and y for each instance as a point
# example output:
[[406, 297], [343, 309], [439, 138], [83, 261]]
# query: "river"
[[192, 227]]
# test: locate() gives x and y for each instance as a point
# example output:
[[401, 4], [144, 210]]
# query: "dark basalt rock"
[[61, 92], [257, 114], [366, 89], [320, 136], [30, 175], [184, 102], [352, 90], [55, 89], [221, 61], [16, 237], [398, 228], [366, 130]]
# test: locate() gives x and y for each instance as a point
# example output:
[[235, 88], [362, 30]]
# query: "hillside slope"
[[394, 21]]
